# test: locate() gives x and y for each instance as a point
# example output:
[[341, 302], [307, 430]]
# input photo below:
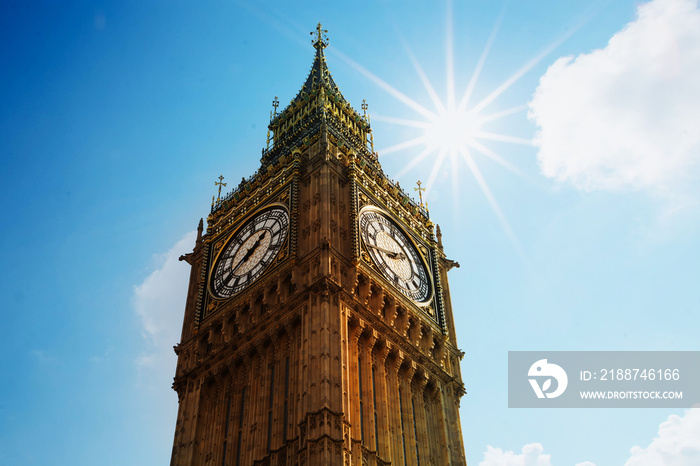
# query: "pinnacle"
[[319, 75]]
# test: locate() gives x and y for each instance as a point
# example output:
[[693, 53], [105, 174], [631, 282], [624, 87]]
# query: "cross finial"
[[275, 103], [220, 183], [364, 106], [321, 40], [268, 130], [420, 192]]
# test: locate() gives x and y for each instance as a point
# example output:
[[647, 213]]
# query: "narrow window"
[[403, 437], [286, 399], [238, 460], [374, 402], [362, 416], [228, 419], [269, 411], [415, 430], [240, 427]]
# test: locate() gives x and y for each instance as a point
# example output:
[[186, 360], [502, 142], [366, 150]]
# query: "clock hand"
[[396, 255], [231, 277], [390, 254], [250, 252], [255, 246]]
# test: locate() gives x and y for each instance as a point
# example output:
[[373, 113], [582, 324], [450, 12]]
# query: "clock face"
[[395, 255], [249, 251]]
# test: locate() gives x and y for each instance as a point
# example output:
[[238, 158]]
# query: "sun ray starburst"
[[453, 132]]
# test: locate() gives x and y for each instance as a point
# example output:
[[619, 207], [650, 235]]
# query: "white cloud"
[[678, 443], [160, 303], [532, 455], [626, 117]]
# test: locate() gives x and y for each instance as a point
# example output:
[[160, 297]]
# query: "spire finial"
[[276, 103], [268, 133], [220, 183], [200, 228], [364, 114], [420, 192], [321, 40]]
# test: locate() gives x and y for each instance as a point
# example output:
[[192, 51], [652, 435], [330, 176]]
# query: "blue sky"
[[575, 222]]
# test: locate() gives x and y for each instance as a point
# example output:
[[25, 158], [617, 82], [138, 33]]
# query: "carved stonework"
[[304, 363]]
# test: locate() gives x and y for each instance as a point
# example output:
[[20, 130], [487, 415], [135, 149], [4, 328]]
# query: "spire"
[[319, 74], [318, 103], [200, 228]]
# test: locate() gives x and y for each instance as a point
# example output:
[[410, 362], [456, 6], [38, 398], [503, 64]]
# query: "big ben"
[[318, 326]]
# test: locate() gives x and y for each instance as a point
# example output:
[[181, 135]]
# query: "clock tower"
[[318, 327]]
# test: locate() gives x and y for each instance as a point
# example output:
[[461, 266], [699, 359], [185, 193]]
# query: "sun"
[[452, 131], [455, 130]]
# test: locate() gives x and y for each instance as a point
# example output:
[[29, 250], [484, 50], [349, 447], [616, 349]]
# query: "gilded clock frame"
[[225, 243], [425, 263]]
